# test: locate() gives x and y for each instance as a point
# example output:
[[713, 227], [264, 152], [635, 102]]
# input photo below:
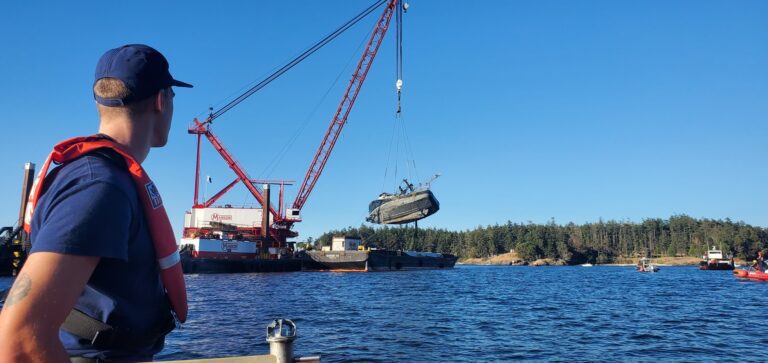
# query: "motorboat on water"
[[409, 205], [714, 259], [646, 265], [586, 264]]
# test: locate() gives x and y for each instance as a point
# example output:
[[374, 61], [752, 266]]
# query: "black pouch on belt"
[[105, 336]]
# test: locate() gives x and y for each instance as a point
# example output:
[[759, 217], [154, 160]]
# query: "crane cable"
[[399, 84], [399, 132], [295, 61], [277, 160], [397, 141], [399, 53]]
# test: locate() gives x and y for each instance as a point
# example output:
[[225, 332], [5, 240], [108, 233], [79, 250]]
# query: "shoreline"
[[512, 259]]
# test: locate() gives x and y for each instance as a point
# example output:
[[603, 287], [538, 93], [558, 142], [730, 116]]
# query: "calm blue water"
[[481, 313]]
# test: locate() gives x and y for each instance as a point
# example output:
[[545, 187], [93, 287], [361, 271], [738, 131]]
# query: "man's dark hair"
[[115, 88]]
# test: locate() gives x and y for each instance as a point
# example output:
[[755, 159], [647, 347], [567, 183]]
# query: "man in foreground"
[[103, 265]]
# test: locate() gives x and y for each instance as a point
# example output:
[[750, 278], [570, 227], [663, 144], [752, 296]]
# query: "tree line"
[[600, 242]]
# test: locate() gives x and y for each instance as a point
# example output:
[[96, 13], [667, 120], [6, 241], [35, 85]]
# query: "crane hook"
[[399, 86]]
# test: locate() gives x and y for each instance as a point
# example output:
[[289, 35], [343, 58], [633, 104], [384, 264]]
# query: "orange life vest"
[[160, 229]]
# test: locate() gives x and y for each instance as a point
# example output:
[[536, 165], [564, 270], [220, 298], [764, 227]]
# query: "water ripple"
[[479, 314]]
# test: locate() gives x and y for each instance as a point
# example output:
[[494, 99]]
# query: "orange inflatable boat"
[[751, 274]]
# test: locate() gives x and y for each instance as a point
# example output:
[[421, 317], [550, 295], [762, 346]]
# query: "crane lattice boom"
[[202, 128], [342, 112]]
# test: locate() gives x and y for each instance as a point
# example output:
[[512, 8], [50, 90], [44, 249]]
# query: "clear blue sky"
[[531, 110]]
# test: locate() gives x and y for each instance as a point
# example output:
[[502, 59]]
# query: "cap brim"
[[181, 84]]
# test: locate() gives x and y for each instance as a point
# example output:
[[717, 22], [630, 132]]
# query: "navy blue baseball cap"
[[142, 68]]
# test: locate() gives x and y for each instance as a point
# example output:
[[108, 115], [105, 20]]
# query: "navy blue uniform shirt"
[[91, 208]]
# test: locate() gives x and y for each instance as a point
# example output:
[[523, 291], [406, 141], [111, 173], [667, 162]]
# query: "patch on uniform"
[[154, 195]]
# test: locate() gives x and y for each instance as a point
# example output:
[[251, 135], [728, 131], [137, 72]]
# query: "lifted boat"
[[410, 205]]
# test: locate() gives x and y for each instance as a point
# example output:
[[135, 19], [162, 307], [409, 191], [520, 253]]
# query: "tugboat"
[[714, 260], [645, 265]]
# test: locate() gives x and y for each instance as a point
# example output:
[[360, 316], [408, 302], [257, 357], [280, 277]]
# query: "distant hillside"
[[600, 242], [512, 258], [509, 258]]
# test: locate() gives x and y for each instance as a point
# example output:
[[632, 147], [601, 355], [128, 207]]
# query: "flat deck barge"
[[375, 260], [213, 265]]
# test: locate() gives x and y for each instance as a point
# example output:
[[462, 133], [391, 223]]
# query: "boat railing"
[[281, 333]]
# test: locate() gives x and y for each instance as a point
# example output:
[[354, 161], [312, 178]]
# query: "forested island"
[[599, 242]]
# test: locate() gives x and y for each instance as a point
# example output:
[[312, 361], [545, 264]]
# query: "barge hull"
[[375, 260], [727, 266], [213, 265]]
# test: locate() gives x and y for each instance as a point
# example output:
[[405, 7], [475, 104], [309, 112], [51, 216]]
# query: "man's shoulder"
[[95, 167], [89, 191]]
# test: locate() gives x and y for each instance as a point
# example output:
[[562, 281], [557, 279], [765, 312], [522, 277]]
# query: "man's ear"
[[159, 99]]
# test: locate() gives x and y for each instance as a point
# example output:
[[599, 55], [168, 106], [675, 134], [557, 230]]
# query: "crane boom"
[[342, 112], [218, 195], [200, 128]]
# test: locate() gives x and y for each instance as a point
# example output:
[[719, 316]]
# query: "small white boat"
[[645, 265], [715, 259], [586, 264]]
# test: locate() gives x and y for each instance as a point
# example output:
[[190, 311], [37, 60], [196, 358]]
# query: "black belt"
[[102, 335]]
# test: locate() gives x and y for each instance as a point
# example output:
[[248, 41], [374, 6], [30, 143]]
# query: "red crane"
[[282, 222], [342, 112]]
